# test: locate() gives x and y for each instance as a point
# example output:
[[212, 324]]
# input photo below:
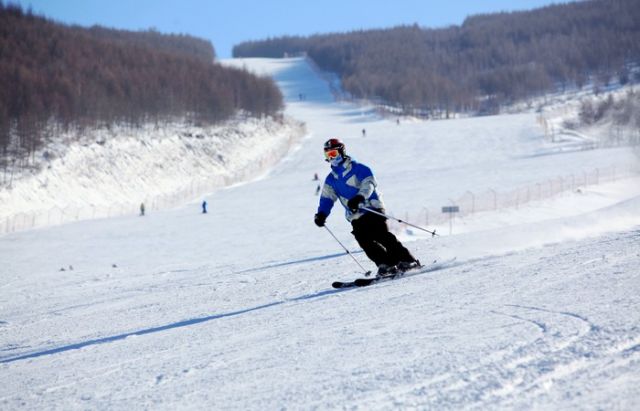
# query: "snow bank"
[[110, 172]]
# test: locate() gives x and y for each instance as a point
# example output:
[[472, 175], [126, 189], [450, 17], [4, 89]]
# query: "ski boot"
[[408, 265], [385, 270]]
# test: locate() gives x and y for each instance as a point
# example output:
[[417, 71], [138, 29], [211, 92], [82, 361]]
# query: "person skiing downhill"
[[353, 184]]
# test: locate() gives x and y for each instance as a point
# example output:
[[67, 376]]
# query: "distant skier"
[[204, 207], [141, 209], [354, 185]]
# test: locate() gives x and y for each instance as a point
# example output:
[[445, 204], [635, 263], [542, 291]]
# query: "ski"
[[343, 284], [363, 282]]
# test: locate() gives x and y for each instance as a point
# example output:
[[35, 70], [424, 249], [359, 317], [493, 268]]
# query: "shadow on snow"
[[306, 260], [192, 321], [176, 325]]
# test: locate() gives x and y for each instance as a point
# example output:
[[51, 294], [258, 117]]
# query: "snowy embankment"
[[105, 173], [234, 309], [560, 117]]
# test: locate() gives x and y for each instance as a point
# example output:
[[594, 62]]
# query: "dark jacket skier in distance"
[[354, 185]]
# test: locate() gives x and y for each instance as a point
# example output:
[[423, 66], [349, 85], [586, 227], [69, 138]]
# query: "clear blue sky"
[[229, 22]]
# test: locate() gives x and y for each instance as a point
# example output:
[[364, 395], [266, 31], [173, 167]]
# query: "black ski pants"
[[380, 245]]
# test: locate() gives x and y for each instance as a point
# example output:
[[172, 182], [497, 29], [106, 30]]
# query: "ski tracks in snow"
[[557, 355], [562, 347], [554, 349]]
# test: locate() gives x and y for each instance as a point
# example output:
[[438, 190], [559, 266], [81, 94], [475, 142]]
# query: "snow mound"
[[110, 172]]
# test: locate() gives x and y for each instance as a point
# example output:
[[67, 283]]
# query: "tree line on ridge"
[[489, 60], [55, 77]]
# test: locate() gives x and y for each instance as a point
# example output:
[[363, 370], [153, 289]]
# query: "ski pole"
[[433, 233], [366, 273]]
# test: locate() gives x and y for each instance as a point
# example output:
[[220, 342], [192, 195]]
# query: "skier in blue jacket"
[[354, 185]]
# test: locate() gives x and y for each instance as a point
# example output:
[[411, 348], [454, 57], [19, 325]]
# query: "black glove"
[[354, 203], [319, 219]]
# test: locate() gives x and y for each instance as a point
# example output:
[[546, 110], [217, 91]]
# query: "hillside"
[[176, 44], [58, 78], [108, 173], [234, 309], [488, 61]]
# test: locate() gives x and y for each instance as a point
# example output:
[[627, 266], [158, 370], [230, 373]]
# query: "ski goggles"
[[331, 154]]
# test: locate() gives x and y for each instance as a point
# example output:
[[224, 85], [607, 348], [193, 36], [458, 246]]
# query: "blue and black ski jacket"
[[346, 181]]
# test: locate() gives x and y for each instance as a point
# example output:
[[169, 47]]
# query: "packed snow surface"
[[234, 309]]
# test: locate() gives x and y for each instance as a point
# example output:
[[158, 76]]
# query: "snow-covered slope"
[[109, 172], [234, 309]]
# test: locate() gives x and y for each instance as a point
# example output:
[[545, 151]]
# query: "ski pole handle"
[[433, 233]]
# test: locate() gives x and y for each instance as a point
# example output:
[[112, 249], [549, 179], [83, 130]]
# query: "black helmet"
[[335, 144]]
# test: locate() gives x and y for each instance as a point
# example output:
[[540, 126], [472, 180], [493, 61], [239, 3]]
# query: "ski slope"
[[234, 309]]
